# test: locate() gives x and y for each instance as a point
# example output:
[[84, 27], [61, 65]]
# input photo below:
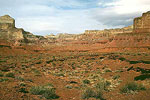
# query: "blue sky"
[[43, 17]]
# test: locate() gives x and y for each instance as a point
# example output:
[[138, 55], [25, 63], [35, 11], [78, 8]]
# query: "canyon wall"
[[6, 22], [8, 31], [108, 32], [17, 36], [142, 24], [136, 35]]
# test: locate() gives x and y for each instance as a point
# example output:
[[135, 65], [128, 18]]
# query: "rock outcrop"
[[6, 22], [142, 24], [18, 36], [8, 31], [136, 35], [108, 32]]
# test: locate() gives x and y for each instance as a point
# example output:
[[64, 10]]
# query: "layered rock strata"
[[142, 24], [136, 35]]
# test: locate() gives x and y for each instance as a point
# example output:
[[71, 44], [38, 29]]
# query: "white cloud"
[[129, 6], [66, 21], [120, 12]]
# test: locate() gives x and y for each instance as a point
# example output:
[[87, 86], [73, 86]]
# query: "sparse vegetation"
[[47, 91], [132, 87], [96, 91], [23, 90], [116, 77], [91, 93], [5, 68], [68, 86], [94, 76], [4, 79], [88, 93], [107, 70], [10, 74], [102, 85], [20, 78], [86, 81], [36, 72], [1, 74]]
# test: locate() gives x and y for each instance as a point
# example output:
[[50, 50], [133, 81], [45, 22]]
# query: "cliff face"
[[137, 35], [6, 22], [8, 31], [142, 24], [18, 36], [108, 32]]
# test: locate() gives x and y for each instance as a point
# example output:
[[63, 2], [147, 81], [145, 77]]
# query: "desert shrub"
[[39, 62], [36, 72], [122, 59], [30, 80], [107, 70], [116, 77], [47, 91], [91, 93], [49, 61], [101, 57], [132, 86], [1, 74], [19, 78], [97, 91], [68, 86], [59, 74], [22, 84], [141, 87], [102, 85], [99, 95], [23, 90], [119, 71], [10, 75], [4, 79], [86, 81], [134, 62], [5, 68], [54, 58], [53, 64], [88, 93]]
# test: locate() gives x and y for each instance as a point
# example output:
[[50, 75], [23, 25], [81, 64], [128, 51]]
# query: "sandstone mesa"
[[136, 35]]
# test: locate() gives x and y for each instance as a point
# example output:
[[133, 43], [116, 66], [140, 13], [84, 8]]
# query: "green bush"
[[68, 87], [19, 78], [22, 84], [10, 75], [102, 85], [4, 79], [1, 74], [88, 93], [97, 91], [36, 72], [23, 90], [132, 86], [30, 80], [86, 81], [99, 94], [47, 91], [5, 68], [107, 70], [116, 77]]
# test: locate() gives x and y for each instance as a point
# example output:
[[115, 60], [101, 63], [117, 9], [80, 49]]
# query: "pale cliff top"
[[7, 19]]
